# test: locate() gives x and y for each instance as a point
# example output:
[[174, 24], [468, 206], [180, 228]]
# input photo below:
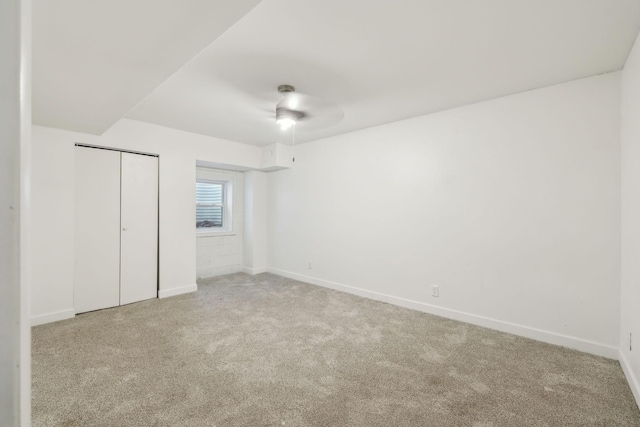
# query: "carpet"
[[270, 351]]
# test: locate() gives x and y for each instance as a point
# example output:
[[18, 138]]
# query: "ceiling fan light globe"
[[285, 122], [285, 118]]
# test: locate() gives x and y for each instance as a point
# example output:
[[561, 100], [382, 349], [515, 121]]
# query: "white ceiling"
[[93, 61], [378, 61]]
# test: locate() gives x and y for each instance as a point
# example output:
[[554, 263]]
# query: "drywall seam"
[[53, 317], [579, 344], [254, 271], [177, 291], [632, 379]]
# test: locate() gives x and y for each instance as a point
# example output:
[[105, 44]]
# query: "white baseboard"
[[177, 291], [254, 271], [207, 273], [579, 344], [52, 317], [632, 379]]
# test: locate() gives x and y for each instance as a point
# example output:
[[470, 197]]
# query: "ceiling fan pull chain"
[[293, 143]]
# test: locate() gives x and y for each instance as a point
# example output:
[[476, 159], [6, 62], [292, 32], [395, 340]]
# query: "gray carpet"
[[268, 351]]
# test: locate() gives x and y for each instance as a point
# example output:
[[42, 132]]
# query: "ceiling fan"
[[311, 112]]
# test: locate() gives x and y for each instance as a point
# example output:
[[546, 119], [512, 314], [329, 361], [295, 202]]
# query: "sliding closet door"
[[139, 246], [97, 232]]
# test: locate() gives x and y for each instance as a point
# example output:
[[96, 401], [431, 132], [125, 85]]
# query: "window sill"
[[220, 233]]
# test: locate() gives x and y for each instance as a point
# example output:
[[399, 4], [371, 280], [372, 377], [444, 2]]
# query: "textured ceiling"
[[368, 62]]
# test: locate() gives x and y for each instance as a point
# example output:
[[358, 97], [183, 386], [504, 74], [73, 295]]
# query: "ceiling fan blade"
[[296, 101], [314, 112], [322, 119], [292, 101]]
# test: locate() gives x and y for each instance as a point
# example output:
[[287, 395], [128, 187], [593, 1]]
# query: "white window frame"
[[206, 175]]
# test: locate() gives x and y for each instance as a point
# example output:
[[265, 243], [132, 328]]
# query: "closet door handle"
[[124, 228]]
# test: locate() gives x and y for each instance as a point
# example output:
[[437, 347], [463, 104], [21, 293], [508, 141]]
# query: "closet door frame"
[[158, 207]]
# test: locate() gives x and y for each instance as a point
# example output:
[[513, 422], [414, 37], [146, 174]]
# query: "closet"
[[116, 228]]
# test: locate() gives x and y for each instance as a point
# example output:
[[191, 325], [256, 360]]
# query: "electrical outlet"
[[309, 265], [435, 291]]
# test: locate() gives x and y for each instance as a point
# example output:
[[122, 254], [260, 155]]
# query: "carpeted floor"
[[268, 351]]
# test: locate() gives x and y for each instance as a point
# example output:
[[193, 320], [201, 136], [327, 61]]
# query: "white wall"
[[53, 197], [25, 211], [511, 206], [15, 123], [9, 212], [220, 253], [52, 225], [255, 220], [630, 288]]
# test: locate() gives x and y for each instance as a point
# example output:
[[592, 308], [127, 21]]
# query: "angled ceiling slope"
[[95, 61], [386, 60]]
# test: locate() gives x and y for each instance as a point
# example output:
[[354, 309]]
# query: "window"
[[210, 204], [214, 202]]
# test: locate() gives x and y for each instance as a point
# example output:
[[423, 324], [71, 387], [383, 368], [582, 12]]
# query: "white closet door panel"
[[139, 246], [97, 232]]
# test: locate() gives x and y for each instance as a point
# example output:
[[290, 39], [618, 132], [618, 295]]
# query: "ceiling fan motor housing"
[[282, 112]]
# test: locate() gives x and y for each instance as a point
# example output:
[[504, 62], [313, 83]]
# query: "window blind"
[[209, 204]]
